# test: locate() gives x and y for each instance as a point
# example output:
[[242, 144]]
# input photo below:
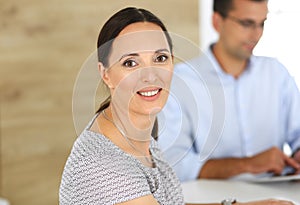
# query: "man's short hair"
[[224, 6]]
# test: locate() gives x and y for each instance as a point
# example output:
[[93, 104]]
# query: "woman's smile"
[[150, 94]]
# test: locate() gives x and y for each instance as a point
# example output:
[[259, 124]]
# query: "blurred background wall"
[[42, 47]]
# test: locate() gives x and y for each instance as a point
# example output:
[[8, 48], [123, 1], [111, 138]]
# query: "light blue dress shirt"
[[210, 114]]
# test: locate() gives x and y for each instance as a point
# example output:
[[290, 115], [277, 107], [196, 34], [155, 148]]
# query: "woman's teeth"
[[149, 93]]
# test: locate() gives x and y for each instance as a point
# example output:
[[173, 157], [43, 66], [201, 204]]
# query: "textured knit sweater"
[[99, 172]]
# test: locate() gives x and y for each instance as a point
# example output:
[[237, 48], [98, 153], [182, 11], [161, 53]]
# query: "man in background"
[[232, 112]]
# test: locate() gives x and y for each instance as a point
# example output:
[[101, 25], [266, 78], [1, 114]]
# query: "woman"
[[116, 160]]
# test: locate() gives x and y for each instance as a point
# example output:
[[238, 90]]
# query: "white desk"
[[204, 191]]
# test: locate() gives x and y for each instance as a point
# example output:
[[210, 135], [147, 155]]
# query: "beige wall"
[[42, 47]]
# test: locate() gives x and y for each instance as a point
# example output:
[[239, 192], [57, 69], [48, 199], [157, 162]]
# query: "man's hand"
[[296, 156], [272, 160]]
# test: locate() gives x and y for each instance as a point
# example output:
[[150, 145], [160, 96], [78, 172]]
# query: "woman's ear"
[[104, 75]]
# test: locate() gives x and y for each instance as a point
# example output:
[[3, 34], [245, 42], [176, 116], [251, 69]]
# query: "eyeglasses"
[[246, 23]]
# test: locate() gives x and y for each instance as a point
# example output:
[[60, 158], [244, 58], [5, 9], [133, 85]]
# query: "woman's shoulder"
[[98, 170], [93, 146]]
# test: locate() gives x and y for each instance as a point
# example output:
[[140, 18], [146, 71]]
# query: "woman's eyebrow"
[[128, 54], [136, 54], [162, 50]]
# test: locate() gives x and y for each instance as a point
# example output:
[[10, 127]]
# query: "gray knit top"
[[99, 172]]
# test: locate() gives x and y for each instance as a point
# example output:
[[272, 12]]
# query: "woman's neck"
[[136, 126], [127, 134], [135, 130]]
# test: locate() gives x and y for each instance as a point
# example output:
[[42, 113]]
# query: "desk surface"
[[205, 191]]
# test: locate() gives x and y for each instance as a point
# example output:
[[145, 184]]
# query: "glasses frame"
[[246, 23]]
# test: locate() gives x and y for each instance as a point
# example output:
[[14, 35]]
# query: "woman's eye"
[[161, 58], [130, 63]]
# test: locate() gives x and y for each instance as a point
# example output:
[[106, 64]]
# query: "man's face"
[[242, 28]]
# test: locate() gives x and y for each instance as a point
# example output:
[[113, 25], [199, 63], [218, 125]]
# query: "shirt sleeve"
[[177, 143], [178, 127], [291, 106]]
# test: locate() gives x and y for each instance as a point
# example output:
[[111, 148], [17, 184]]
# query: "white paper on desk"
[[278, 178], [266, 177]]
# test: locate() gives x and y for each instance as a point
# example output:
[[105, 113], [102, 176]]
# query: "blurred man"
[[232, 111]]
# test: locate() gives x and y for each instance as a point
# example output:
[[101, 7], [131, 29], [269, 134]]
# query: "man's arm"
[[272, 160]]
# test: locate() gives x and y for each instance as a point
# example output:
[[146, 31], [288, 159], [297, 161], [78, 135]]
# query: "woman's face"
[[140, 69]]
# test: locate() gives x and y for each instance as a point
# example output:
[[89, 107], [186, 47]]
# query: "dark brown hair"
[[118, 22], [224, 6]]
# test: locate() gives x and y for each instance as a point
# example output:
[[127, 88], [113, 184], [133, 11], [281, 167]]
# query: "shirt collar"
[[219, 70]]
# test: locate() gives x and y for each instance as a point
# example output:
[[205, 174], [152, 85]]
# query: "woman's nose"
[[148, 74]]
